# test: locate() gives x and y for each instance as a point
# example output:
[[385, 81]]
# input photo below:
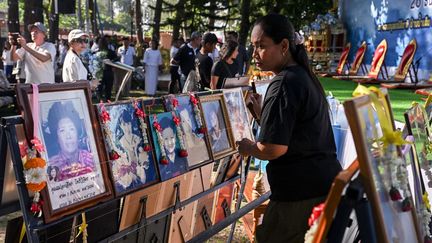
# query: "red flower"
[[395, 194], [193, 99], [114, 155], [105, 116], [147, 147], [174, 102], [164, 160], [139, 112], [316, 212], [35, 207], [157, 126], [183, 153], [23, 148], [406, 205], [176, 120], [202, 130]]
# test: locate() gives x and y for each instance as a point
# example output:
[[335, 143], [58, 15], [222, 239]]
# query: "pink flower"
[[23, 148], [38, 145], [139, 112], [176, 120], [193, 99], [157, 126], [174, 102]]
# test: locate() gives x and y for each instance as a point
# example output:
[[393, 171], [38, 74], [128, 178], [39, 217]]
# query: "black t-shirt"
[[295, 114], [205, 67], [186, 59], [241, 58], [224, 70]]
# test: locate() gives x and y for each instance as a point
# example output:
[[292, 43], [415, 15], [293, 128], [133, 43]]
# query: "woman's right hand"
[[253, 103]]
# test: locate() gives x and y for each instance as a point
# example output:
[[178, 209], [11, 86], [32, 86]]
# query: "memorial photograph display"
[[171, 155], [238, 114], [127, 140], [67, 127], [193, 128], [217, 123], [381, 170]]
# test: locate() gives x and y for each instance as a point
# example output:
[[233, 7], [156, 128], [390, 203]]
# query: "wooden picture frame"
[[176, 165], [217, 124], [81, 184], [197, 144], [135, 168], [239, 117], [390, 220], [416, 126]]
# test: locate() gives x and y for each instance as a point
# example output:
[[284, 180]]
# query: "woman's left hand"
[[244, 146]]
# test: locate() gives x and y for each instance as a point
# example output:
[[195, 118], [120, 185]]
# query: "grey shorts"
[[286, 222]]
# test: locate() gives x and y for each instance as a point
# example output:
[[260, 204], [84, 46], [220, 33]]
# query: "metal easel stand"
[[354, 199]]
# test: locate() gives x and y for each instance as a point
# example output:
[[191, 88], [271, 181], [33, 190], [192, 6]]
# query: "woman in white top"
[[153, 64], [73, 67], [7, 60]]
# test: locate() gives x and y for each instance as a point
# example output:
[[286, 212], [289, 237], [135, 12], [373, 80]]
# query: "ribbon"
[[83, 228], [22, 233], [426, 201], [382, 108]]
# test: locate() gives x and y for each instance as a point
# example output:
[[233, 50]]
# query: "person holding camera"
[[38, 56]]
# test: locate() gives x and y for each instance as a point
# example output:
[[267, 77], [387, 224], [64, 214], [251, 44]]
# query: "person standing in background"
[[73, 67], [153, 65], [242, 60], [226, 66], [104, 71], [38, 56], [174, 68], [126, 52], [8, 64], [205, 62]]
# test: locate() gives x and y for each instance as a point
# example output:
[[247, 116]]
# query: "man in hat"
[[38, 56], [185, 57]]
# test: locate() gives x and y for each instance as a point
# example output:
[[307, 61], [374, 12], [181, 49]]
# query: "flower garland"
[[140, 113], [158, 129], [313, 222], [197, 114], [183, 152], [105, 118]]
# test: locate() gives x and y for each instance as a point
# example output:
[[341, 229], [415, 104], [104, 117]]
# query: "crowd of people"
[[81, 57]]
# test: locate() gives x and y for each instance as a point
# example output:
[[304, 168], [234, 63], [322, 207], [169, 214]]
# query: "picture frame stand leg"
[[141, 231], [177, 203], [353, 200], [206, 218]]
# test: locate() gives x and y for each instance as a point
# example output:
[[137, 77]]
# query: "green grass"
[[400, 99]]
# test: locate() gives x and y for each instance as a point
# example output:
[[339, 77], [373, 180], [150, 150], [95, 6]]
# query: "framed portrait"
[[167, 146], [196, 142], [416, 126], [217, 123], [127, 136], [238, 114], [392, 222], [67, 126]]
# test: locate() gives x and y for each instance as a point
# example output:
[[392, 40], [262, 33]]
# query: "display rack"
[[35, 226]]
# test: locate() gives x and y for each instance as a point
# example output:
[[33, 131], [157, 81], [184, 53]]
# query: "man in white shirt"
[[126, 52], [37, 56]]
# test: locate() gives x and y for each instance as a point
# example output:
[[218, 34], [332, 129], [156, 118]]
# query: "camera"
[[14, 38]]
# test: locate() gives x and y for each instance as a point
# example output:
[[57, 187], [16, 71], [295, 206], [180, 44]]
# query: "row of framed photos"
[[95, 152]]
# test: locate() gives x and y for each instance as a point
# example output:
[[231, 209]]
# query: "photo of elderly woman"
[[176, 165], [216, 126], [198, 151], [70, 152], [135, 167], [238, 117]]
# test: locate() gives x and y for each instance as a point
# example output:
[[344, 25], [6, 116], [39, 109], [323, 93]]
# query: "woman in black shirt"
[[296, 135], [226, 67]]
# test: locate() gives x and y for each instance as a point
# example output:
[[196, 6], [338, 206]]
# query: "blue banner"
[[397, 21]]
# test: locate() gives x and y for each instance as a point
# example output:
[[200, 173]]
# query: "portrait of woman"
[[216, 126], [198, 151], [73, 157], [238, 117], [53, 173], [135, 167], [176, 165]]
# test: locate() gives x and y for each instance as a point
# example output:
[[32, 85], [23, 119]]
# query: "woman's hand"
[[254, 104]]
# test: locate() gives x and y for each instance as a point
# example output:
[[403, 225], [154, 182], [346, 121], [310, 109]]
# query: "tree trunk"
[[13, 13], [245, 23], [53, 23], [178, 19], [212, 11], [93, 20], [33, 12], [138, 23], [157, 19]]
